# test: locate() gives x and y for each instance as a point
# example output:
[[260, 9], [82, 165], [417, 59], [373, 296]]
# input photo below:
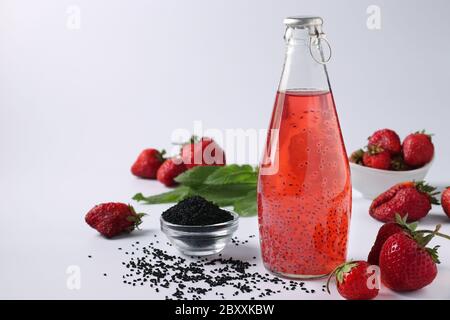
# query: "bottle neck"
[[301, 72]]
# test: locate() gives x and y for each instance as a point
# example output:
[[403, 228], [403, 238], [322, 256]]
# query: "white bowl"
[[372, 182]]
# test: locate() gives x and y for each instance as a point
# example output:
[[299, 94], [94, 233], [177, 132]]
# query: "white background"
[[76, 106]]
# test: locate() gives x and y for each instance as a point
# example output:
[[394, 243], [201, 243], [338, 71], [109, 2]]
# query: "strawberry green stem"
[[333, 273], [435, 232], [336, 271], [329, 278]]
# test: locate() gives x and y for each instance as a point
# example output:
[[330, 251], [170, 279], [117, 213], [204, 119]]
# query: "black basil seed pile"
[[196, 211], [192, 279]]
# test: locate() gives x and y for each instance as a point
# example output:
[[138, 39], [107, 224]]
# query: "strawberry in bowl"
[[386, 161]]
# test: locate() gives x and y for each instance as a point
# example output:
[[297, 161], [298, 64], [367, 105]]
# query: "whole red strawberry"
[[406, 264], [388, 229], [377, 158], [445, 201], [147, 163], [113, 218], [418, 149], [169, 170], [203, 152], [386, 139], [412, 198], [355, 281]]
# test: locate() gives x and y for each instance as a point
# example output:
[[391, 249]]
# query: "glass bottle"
[[304, 187]]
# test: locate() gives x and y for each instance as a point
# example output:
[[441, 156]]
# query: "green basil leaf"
[[196, 176], [230, 185], [233, 174], [175, 195], [246, 206], [224, 195]]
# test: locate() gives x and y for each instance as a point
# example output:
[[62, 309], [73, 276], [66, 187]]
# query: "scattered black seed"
[[89, 257], [196, 211], [104, 274], [194, 278]]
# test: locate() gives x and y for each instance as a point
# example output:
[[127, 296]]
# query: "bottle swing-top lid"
[[314, 26]]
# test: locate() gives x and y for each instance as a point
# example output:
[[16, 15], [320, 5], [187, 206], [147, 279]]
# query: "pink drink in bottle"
[[304, 188]]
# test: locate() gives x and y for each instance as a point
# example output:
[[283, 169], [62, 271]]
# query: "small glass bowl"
[[200, 240]]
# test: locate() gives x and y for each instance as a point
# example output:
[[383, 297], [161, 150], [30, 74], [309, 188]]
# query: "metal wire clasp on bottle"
[[317, 36]]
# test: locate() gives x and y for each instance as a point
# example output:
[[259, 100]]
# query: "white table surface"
[[77, 105], [39, 246]]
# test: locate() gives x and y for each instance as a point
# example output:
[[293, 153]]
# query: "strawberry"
[[113, 218], [203, 152], [169, 170], [445, 201], [406, 263], [353, 280], [377, 158], [388, 229], [147, 163], [412, 198], [418, 149], [386, 139]]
